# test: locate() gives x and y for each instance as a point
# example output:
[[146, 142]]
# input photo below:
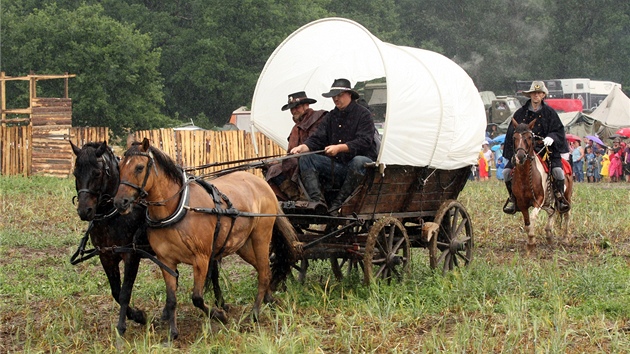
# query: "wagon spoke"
[[462, 256], [461, 226], [447, 261], [454, 220], [442, 256], [396, 247], [380, 271], [443, 244], [390, 237]]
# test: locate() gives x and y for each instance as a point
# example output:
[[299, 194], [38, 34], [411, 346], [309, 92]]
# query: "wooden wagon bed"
[[405, 192]]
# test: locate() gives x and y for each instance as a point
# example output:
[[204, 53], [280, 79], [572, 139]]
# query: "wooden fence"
[[43, 150], [193, 148]]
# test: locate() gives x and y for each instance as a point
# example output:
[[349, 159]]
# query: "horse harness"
[[180, 212], [81, 254]]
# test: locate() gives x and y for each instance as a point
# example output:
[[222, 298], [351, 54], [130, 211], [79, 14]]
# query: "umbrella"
[[499, 139], [625, 132], [571, 137], [595, 139], [616, 136], [495, 148]]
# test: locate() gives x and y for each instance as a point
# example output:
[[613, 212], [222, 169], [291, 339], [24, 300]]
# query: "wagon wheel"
[[350, 265], [353, 262], [387, 251], [454, 241], [302, 268]]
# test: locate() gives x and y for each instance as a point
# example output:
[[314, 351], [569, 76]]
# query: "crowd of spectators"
[[591, 162]]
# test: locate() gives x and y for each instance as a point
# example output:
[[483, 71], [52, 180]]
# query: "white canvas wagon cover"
[[435, 116]]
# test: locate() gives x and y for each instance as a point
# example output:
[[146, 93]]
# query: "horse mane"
[[172, 170], [87, 156], [521, 128]]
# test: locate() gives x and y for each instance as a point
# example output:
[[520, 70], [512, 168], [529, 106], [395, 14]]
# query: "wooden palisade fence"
[[187, 148], [34, 140], [192, 148]]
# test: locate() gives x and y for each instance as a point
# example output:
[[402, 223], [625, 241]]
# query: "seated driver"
[[283, 177]]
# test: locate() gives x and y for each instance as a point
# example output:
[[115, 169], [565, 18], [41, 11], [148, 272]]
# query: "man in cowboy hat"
[[283, 177], [549, 126], [346, 135]]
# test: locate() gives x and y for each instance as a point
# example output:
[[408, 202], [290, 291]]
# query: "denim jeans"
[[332, 173]]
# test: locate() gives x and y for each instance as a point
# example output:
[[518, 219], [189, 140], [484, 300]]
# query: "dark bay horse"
[[96, 180], [532, 188], [194, 222]]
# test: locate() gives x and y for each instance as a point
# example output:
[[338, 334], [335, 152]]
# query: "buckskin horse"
[[96, 182], [532, 188], [194, 222]]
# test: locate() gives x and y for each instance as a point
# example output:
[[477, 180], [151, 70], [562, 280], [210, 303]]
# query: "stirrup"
[[509, 207], [562, 205]]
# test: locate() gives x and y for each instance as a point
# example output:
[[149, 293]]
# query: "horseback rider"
[[549, 126]]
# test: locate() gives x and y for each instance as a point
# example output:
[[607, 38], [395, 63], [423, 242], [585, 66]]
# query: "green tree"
[[587, 39], [117, 83]]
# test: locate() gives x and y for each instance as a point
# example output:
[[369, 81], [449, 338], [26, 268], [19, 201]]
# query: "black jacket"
[[548, 124], [353, 126]]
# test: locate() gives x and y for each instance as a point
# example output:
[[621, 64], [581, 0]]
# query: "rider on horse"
[[550, 129]]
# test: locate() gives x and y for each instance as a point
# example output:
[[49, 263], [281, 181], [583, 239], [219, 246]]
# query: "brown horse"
[[532, 187], [194, 222]]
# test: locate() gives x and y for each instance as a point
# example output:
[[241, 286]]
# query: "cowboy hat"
[[537, 86], [339, 86], [296, 99]]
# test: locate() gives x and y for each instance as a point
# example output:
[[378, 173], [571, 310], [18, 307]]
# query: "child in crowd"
[[606, 165], [483, 167], [590, 164], [598, 165]]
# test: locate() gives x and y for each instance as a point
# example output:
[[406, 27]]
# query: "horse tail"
[[285, 249]]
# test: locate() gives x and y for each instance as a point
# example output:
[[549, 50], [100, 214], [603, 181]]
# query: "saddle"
[[566, 166]]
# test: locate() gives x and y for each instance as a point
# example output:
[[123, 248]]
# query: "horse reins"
[[532, 161]]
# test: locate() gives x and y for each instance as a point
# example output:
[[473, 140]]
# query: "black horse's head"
[[523, 141], [96, 179]]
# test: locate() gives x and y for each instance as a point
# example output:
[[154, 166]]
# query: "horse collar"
[[178, 214]]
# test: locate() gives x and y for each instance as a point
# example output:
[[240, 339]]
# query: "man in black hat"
[[346, 135], [549, 126], [283, 177]]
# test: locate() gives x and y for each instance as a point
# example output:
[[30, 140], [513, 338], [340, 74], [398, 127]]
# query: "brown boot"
[[349, 185]]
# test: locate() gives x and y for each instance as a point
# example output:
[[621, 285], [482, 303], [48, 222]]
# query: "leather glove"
[[547, 141]]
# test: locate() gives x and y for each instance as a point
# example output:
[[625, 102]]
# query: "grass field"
[[561, 299]]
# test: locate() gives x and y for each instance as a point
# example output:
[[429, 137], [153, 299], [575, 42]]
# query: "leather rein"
[[531, 158]]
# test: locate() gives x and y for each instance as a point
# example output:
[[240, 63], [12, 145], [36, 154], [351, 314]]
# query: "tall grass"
[[561, 299]]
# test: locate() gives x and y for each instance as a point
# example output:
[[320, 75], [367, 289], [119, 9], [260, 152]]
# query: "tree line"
[[143, 64]]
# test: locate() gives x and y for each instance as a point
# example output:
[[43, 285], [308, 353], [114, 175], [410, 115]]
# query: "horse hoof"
[[530, 247], [219, 315], [139, 317], [121, 330], [269, 299]]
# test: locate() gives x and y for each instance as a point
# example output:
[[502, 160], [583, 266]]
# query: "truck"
[[502, 108]]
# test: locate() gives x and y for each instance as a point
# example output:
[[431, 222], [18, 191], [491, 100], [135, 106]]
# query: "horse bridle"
[[142, 193], [101, 197], [526, 150]]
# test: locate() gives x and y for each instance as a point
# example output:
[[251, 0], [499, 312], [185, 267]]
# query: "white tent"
[[435, 116], [614, 109]]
